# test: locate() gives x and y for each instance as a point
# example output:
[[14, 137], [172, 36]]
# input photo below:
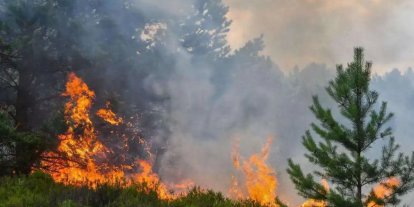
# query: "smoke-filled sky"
[[298, 32]]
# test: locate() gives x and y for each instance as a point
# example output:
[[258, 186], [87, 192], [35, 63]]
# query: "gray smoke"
[[303, 31], [246, 97], [193, 104]]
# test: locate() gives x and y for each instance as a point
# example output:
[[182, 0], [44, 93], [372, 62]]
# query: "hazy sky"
[[298, 32]]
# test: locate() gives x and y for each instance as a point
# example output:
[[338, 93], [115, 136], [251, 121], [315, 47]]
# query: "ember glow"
[[81, 158], [258, 181]]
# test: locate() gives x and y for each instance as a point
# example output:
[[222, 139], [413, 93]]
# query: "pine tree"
[[204, 32], [341, 155]]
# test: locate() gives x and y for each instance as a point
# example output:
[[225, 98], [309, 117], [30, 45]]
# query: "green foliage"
[[39, 189], [341, 155], [25, 192], [197, 197], [20, 150]]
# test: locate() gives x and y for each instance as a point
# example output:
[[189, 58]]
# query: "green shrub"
[[40, 190]]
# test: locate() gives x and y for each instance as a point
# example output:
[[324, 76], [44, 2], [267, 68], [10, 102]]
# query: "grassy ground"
[[39, 189]]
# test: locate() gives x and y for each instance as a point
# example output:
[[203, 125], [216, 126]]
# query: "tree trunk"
[[24, 102]]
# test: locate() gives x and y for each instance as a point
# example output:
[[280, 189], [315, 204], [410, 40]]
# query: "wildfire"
[[84, 160], [79, 144], [314, 203], [152, 180], [259, 182], [317, 203], [381, 191], [107, 115], [384, 190]]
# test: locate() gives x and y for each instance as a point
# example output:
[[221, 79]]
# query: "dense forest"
[[110, 103]]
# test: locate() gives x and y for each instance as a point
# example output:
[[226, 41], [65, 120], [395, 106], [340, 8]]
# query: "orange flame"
[[152, 180], [381, 191], [81, 148], [260, 181], [109, 116], [384, 189], [318, 203], [79, 144], [314, 203]]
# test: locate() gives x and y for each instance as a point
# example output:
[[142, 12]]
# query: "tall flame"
[[79, 144], [81, 149], [259, 182], [152, 180]]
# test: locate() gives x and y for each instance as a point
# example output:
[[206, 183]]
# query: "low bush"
[[40, 190]]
